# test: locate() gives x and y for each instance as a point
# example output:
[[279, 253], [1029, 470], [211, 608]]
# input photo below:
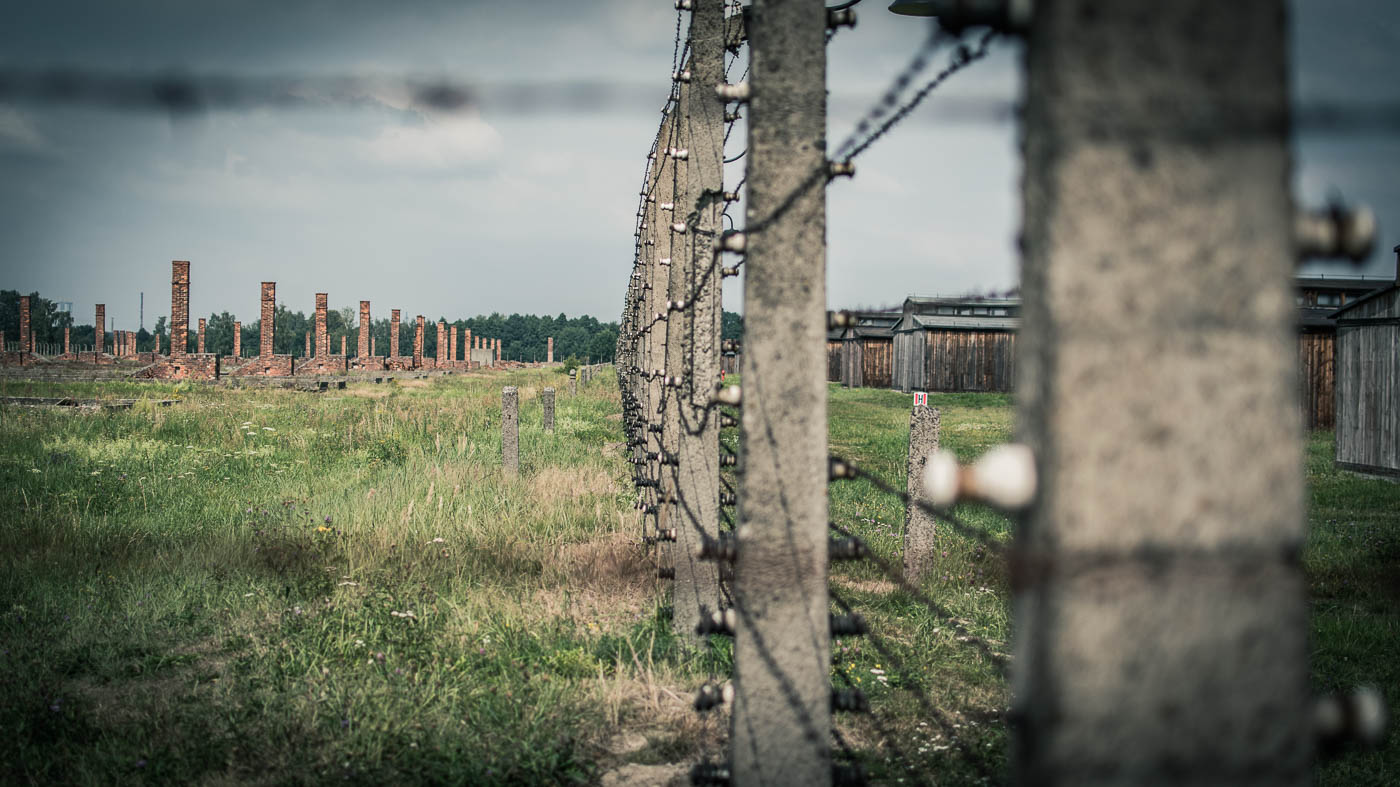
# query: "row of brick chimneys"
[[125, 341]]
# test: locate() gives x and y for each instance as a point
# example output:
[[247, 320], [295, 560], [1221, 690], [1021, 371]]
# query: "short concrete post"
[[547, 399], [918, 525], [573, 383], [510, 430]]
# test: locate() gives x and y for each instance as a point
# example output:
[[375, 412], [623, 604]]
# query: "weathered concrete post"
[[510, 430], [237, 339], [782, 654], [547, 400], [573, 382], [267, 319], [1161, 632], [100, 329], [199, 340], [418, 343], [919, 527], [394, 333], [692, 335], [179, 308]]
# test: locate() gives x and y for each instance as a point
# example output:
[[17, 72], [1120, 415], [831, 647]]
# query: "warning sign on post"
[[921, 400]]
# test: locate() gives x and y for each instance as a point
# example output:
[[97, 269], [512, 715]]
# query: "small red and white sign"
[[921, 400]]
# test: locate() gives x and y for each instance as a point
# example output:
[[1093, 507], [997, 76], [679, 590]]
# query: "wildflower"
[[328, 519], [438, 540], [268, 429], [322, 529]]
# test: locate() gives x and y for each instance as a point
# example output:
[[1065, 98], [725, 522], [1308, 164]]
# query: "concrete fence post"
[[692, 336], [573, 383], [547, 401], [919, 527], [781, 718], [1161, 632], [510, 430]]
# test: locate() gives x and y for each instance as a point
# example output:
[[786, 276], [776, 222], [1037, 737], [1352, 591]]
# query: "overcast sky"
[[458, 214]]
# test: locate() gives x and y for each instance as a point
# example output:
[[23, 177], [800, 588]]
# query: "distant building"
[[1368, 380], [1317, 298]]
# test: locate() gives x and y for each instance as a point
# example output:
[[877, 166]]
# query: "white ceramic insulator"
[[679, 153], [1005, 477], [683, 5], [681, 76], [678, 227], [664, 261], [941, 478], [668, 206], [733, 241], [730, 394], [737, 92], [726, 693]]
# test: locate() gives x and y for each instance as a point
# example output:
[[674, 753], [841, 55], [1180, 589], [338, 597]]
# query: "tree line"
[[524, 337]]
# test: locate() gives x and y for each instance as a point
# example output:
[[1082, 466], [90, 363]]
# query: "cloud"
[[449, 142]]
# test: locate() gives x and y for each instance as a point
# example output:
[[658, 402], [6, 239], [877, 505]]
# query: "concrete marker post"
[[919, 526], [510, 430], [547, 401]]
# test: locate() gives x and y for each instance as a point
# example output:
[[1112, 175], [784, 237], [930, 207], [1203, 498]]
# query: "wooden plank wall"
[[1368, 390], [1316, 375], [910, 351], [877, 363], [833, 361], [971, 361]]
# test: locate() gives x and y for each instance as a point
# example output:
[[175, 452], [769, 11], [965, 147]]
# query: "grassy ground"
[[283, 587]]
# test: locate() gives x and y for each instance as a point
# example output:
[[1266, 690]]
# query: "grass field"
[[267, 586]]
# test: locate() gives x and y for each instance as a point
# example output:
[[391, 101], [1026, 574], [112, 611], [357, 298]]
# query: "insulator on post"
[[1007, 16], [733, 240], [681, 76], [730, 272], [838, 169], [838, 469], [664, 261], [730, 346], [666, 572], [720, 621], [675, 306], [678, 228], [666, 534], [847, 549], [848, 626], [728, 394], [841, 319], [712, 695], [730, 117], [731, 196], [1337, 231], [840, 17], [1358, 717], [683, 5], [728, 460], [737, 92], [679, 154], [670, 460], [1004, 477], [667, 206], [723, 549], [651, 242], [849, 701], [654, 428], [728, 499], [727, 421], [709, 774]]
